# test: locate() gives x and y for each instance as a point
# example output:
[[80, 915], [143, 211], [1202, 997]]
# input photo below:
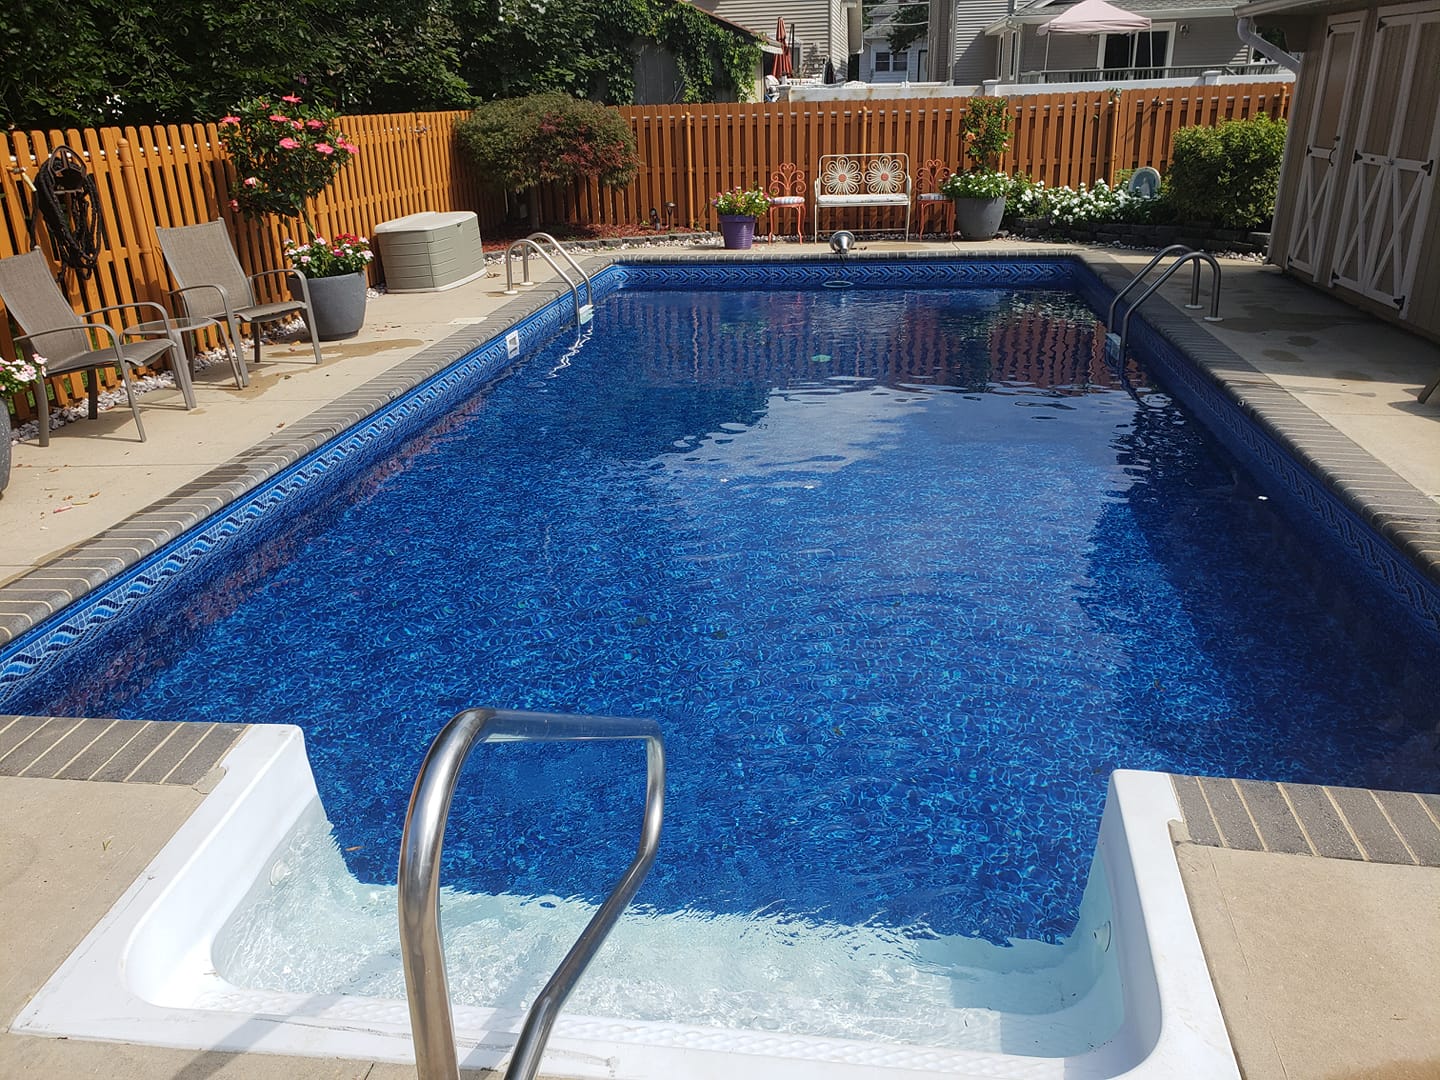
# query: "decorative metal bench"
[[845, 180]]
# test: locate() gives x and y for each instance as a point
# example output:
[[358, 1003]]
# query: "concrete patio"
[[1325, 967]]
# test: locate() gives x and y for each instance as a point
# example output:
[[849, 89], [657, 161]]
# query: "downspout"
[[1245, 28]]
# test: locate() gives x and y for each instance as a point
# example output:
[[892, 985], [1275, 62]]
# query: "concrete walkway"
[[1326, 969]]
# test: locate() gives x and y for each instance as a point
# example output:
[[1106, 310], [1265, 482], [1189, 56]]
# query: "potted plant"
[[335, 272], [285, 152], [16, 377], [738, 209], [979, 192]]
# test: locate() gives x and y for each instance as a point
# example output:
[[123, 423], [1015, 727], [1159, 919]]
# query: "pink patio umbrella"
[[1093, 17]]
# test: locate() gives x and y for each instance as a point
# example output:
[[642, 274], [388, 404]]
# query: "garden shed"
[[1356, 208]]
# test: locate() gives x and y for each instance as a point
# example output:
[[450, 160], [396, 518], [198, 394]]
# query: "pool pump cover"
[[430, 251]]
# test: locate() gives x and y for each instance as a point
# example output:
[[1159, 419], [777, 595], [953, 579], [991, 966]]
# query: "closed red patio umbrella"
[[783, 67]]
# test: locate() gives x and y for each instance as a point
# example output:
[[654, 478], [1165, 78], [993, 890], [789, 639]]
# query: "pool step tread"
[[1308, 819], [129, 751]]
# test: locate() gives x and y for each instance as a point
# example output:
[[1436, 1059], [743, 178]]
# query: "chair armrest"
[[134, 304], [104, 328], [289, 272], [224, 296], [272, 273]]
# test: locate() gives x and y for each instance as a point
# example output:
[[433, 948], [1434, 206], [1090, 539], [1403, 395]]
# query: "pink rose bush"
[[285, 153]]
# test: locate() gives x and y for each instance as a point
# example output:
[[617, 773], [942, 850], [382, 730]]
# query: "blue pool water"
[[902, 574]]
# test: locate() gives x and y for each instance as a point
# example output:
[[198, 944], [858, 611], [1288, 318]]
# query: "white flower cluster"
[[1082, 205]]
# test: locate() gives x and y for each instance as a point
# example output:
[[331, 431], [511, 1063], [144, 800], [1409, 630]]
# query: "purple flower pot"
[[738, 231]]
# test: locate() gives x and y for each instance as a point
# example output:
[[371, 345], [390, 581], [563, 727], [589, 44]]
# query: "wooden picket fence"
[[409, 162], [179, 175]]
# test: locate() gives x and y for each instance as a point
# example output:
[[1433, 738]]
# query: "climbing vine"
[[711, 59]]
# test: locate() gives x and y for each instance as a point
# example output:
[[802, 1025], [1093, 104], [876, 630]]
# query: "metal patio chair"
[[67, 340], [213, 285]]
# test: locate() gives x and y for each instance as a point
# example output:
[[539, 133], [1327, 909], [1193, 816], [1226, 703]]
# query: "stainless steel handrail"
[[538, 236], [1194, 281], [1197, 257], [532, 242], [421, 949]]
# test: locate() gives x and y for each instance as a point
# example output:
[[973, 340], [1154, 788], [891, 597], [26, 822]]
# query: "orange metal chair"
[[787, 189], [928, 198]]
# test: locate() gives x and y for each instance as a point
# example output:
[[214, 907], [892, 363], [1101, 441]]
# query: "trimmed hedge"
[[1226, 174]]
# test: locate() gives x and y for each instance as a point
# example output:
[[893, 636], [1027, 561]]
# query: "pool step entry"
[[1115, 343], [431, 1021], [535, 242]]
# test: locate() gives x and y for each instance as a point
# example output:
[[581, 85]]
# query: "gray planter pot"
[[339, 304], [4, 445], [978, 219]]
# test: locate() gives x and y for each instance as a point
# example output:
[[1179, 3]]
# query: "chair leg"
[[181, 358], [42, 406], [231, 332], [129, 396], [314, 331]]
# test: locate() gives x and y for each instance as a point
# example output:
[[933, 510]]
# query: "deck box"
[[430, 251]]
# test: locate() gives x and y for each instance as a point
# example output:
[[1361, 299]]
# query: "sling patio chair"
[[68, 341], [214, 286]]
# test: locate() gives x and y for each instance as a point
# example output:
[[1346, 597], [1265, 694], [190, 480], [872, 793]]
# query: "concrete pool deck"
[[1325, 967]]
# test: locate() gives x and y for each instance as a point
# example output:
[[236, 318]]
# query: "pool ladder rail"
[[421, 949], [1115, 343], [583, 312]]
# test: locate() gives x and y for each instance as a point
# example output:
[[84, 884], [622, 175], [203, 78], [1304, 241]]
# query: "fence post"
[[689, 167], [1113, 150], [143, 221]]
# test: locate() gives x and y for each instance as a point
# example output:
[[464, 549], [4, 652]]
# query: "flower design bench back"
[[928, 199], [846, 180], [787, 192]]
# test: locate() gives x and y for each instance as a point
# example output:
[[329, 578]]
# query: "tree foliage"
[[146, 61]]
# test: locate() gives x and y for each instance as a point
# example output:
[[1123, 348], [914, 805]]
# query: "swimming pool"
[[1128, 449]]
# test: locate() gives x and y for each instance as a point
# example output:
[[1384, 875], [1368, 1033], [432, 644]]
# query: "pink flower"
[[324, 148], [234, 204], [291, 99], [279, 118], [348, 147], [296, 124], [314, 125], [252, 181], [230, 120], [288, 143]]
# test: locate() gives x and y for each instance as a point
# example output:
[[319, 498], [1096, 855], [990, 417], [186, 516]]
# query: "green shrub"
[[1226, 174], [519, 143], [985, 131]]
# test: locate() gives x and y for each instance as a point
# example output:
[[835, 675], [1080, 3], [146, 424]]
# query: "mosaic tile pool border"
[[336, 442]]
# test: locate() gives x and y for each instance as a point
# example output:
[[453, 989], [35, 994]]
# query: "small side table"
[[185, 326]]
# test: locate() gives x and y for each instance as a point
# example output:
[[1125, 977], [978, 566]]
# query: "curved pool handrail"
[[1143, 274], [421, 949], [1197, 257]]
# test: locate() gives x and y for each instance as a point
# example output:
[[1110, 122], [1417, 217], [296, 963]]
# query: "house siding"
[[819, 25], [976, 56]]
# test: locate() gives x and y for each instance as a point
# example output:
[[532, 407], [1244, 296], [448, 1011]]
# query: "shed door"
[[1311, 220], [1387, 196]]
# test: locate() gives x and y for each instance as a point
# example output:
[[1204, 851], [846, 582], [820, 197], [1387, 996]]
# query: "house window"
[[882, 61], [1149, 49]]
